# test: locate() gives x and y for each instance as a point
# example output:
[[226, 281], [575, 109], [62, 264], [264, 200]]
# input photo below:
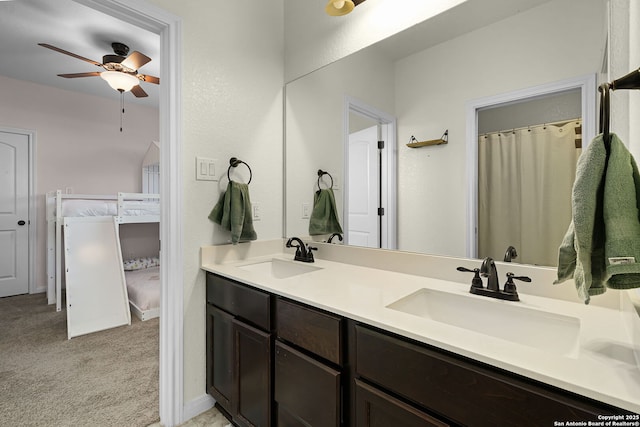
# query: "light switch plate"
[[306, 211], [256, 211], [206, 169]]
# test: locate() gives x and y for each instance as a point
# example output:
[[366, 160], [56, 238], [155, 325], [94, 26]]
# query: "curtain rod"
[[558, 123]]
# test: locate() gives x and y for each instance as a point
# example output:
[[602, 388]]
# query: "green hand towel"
[[233, 212], [581, 254], [622, 224], [324, 216]]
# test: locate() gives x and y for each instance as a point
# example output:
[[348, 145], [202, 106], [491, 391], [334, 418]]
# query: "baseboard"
[[197, 406]]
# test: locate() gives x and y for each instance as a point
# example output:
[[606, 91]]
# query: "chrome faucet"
[[303, 253]]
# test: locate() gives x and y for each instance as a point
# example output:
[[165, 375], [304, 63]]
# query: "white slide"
[[96, 290]]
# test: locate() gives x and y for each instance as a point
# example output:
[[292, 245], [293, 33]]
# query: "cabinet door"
[[307, 392], [220, 356], [377, 409], [252, 375]]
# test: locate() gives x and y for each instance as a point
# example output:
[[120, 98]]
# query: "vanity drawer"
[[240, 300], [310, 329], [307, 392], [461, 390]]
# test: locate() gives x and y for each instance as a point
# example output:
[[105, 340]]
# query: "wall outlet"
[[206, 169], [256, 211], [306, 211]]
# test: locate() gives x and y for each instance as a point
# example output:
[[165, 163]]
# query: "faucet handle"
[[310, 250], [509, 286], [476, 282]]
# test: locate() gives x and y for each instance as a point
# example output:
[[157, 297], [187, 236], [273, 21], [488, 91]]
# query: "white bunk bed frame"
[[55, 221]]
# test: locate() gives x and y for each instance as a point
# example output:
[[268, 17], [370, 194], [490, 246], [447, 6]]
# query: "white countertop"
[[604, 366]]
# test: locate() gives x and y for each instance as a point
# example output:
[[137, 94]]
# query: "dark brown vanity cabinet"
[[455, 390], [273, 361], [375, 408], [308, 359], [239, 350]]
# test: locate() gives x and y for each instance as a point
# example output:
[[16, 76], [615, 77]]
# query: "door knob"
[[21, 222]]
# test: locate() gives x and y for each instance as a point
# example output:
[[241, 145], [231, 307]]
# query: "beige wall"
[[483, 63], [78, 144], [232, 106]]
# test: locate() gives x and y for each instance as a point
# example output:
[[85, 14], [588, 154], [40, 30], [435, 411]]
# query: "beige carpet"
[[210, 418], [107, 378]]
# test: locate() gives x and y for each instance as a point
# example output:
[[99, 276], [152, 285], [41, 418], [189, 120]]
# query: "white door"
[[14, 214], [363, 181]]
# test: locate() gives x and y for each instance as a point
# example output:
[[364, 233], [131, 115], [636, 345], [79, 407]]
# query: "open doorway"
[[581, 90], [370, 178], [167, 27]]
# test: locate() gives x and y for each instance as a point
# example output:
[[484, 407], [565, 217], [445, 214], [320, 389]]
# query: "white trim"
[[33, 216], [169, 26], [198, 405], [389, 227], [587, 85]]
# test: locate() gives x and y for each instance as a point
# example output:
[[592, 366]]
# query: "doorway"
[[586, 85], [370, 177], [17, 229], [168, 26]]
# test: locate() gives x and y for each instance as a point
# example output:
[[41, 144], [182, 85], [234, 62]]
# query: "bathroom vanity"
[[338, 343]]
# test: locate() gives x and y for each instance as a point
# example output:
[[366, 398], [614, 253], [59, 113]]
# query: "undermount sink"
[[510, 321], [278, 268]]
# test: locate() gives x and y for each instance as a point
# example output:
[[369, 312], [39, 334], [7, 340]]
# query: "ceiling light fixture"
[[339, 7], [122, 82]]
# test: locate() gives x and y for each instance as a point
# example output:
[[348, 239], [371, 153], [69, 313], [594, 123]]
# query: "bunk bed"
[[92, 253]]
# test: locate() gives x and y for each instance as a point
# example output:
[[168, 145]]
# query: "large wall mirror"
[[421, 83]]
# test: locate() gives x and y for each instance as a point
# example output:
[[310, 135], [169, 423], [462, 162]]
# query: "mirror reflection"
[[444, 199]]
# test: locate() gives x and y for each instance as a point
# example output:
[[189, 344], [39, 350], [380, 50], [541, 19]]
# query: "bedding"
[[143, 287], [140, 263]]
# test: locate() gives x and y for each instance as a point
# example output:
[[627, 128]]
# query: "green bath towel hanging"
[[602, 246], [233, 212], [324, 216]]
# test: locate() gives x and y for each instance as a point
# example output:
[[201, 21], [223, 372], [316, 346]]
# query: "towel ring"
[[234, 162], [320, 173]]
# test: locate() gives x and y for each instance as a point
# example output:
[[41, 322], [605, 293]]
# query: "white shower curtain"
[[525, 177]]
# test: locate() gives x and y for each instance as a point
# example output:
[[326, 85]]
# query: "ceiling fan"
[[120, 70]]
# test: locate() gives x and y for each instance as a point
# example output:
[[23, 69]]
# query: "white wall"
[[432, 191], [314, 39], [78, 144], [232, 106], [314, 126]]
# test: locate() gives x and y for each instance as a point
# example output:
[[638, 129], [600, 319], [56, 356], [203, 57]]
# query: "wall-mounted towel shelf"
[[233, 163], [444, 139]]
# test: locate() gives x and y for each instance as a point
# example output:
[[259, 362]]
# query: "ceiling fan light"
[[122, 82], [339, 7]]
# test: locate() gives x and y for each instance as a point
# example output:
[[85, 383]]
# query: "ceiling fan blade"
[[74, 75], [138, 92], [135, 60], [82, 58], [149, 79]]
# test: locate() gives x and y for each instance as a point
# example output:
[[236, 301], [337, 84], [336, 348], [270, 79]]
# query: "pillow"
[[140, 263]]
